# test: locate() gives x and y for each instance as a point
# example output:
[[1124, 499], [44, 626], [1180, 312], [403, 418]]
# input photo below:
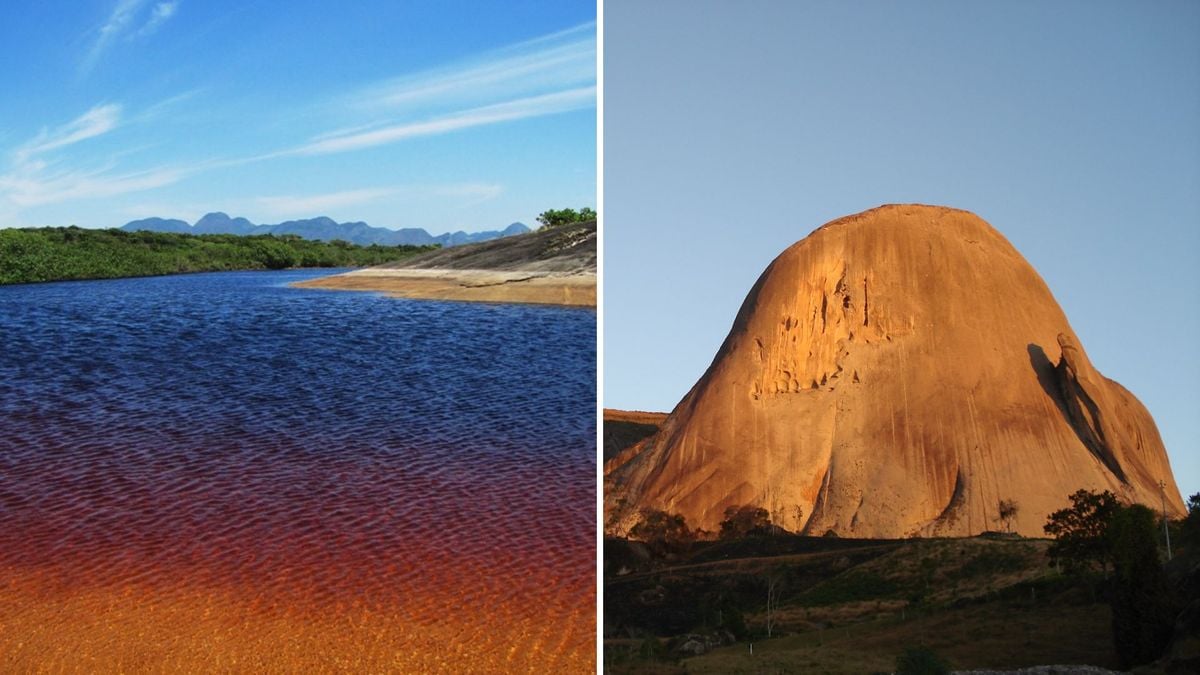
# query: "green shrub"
[[65, 253], [851, 586], [920, 661], [992, 561]]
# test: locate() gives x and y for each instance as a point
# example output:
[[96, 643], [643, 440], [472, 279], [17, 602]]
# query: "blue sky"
[[442, 115], [734, 129]]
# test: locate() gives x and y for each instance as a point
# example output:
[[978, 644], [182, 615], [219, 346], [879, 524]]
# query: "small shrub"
[[745, 521], [920, 661]]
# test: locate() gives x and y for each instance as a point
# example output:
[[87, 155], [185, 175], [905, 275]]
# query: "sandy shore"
[[543, 288]]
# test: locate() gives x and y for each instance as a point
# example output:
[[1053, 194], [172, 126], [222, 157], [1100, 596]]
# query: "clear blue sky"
[[734, 129], [437, 114]]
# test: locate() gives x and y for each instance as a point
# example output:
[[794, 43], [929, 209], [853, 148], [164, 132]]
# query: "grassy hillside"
[[845, 606], [65, 253], [623, 428]]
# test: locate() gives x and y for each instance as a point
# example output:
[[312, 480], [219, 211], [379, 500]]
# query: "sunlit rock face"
[[896, 373]]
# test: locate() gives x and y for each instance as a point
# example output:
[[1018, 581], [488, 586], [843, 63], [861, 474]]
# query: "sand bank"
[[543, 288]]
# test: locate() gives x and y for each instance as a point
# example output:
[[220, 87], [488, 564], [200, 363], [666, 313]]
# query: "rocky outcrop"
[[566, 249], [898, 372]]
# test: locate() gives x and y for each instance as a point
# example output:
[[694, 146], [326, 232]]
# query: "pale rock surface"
[[896, 373]]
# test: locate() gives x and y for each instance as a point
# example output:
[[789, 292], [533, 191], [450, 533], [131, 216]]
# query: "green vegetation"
[[817, 604], [560, 217], [1189, 529], [852, 586], [1099, 530], [1078, 531], [992, 562], [1143, 615], [662, 529], [1008, 509], [66, 253], [920, 661], [745, 521], [846, 605]]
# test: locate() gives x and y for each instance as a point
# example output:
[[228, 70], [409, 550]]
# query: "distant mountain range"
[[323, 229]]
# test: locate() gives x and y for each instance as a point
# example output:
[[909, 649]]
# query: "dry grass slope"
[[850, 606]]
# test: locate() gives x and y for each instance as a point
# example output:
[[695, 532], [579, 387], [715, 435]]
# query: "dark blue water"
[[242, 351], [307, 447]]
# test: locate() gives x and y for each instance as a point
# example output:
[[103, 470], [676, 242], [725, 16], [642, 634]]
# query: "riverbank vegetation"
[[69, 253]]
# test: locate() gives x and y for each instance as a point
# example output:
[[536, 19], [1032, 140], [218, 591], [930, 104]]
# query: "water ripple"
[[337, 455]]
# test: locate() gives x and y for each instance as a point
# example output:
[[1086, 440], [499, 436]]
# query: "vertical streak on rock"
[[866, 302]]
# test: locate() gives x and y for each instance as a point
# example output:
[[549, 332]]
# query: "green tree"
[[745, 520], [1079, 531], [1008, 511], [560, 217], [660, 527], [1142, 617], [1100, 531], [276, 255], [1190, 528]]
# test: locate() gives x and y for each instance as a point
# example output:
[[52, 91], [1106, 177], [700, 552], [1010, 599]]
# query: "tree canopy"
[[1191, 523], [1143, 618], [745, 520], [63, 253], [1099, 530], [560, 217], [1008, 509], [660, 526], [1079, 531]]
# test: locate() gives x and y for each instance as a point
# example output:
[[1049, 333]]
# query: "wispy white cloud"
[[125, 16], [36, 188], [33, 177], [310, 204], [99, 120], [156, 110], [533, 106], [544, 76], [158, 16], [554, 62], [119, 20]]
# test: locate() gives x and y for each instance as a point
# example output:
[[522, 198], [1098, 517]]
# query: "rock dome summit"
[[898, 372]]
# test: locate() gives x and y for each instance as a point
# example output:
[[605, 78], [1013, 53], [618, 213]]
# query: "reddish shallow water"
[[174, 516]]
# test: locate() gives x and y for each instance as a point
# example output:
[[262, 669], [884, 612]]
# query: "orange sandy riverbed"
[[467, 285], [305, 562], [140, 627]]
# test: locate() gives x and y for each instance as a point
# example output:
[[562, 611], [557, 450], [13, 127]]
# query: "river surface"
[[220, 472]]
